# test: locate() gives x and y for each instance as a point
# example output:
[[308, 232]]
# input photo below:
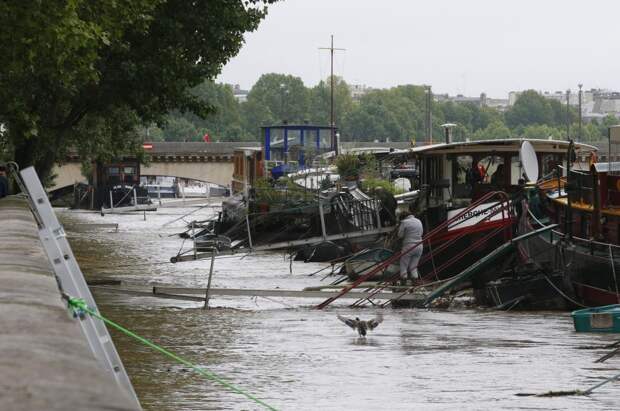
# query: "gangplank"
[[197, 294]]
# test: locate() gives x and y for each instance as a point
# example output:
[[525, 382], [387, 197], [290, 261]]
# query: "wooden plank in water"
[[145, 293], [286, 244], [248, 292], [129, 209]]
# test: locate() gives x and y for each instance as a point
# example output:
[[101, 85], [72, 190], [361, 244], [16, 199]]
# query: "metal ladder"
[[71, 280]]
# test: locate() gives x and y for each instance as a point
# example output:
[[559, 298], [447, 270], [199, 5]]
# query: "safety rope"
[[79, 308]]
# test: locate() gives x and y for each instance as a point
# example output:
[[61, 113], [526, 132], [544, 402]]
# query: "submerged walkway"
[[45, 362]]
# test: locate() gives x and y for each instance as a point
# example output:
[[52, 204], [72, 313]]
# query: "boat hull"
[[605, 319]]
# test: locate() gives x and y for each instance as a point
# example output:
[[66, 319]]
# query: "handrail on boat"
[[504, 202]]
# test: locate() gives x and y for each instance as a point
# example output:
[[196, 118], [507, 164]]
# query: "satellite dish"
[[529, 161]]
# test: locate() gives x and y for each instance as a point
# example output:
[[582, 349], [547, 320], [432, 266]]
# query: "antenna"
[[331, 105]]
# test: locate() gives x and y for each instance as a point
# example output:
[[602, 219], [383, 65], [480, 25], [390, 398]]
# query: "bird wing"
[[374, 323], [351, 323]]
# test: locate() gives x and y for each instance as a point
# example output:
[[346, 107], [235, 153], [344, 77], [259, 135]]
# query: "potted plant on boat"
[[349, 167]]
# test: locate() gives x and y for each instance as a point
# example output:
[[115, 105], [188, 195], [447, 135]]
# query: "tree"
[[543, 131], [85, 74], [530, 108], [320, 95], [224, 120], [179, 128], [278, 97], [495, 130]]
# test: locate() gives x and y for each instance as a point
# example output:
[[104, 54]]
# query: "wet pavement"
[[297, 358]]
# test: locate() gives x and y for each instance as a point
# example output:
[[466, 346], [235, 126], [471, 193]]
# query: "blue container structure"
[[290, 147], [605, 319]]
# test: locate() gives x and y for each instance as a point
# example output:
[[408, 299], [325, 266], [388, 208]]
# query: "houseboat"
[[477, 186], [585, 203]]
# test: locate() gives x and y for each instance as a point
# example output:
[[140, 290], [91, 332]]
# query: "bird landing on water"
[[362, 326]]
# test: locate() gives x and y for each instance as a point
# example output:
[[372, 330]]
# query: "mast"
[[568, 115], [429, 114], [332, 122]]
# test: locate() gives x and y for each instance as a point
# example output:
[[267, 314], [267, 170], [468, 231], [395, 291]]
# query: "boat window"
[[276, 144], [293, 141], [515, 170], [325, 139], [310, 150], [461, 177], [550, 162], [491, 170]]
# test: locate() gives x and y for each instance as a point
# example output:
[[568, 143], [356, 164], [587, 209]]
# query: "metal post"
[[567, 115], [568, 187], [247, 223], [331, 99], [322, 220], [159, 193], [194, 238], [609, 152], [580, 115], [206, 306], [377, 209], [135, 197], [111, 201]]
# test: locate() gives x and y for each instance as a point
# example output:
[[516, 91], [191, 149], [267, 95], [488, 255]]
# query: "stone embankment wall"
[[45, 362]]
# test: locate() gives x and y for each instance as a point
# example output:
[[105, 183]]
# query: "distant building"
[[481, 101], [595, 103], [500, 104], [240, 95], [358, 91]]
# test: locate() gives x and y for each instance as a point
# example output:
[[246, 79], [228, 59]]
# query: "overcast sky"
[[457, 46]]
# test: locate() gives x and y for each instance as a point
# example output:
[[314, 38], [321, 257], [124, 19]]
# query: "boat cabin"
[[455, 174], [113, 180], [593, 196], [288, 147], [248, 167]]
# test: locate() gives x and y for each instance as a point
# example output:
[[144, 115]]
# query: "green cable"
[[79, 306]]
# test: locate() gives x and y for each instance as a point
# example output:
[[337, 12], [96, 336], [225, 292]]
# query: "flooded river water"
[[297, 358]]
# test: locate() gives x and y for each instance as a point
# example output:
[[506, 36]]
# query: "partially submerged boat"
[[605, 319]]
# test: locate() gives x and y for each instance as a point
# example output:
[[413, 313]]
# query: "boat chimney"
[[447, 131]]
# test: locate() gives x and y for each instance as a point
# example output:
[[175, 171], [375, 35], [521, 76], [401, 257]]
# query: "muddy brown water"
[[297, 358]]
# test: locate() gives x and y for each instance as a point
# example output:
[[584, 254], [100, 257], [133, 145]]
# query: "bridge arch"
[[219, 173]]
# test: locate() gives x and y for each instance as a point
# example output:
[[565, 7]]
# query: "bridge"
[[208, 162]]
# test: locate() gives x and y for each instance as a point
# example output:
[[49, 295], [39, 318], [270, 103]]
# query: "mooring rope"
[[79, 308]]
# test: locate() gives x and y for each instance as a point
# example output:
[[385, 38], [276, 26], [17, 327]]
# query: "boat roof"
[[605, 167], [506, 144]]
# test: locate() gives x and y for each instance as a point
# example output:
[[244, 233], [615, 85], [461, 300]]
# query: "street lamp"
[[580, 94], [283, 91], [447, 130]]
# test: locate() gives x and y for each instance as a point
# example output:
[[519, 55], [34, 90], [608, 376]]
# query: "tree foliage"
[[85, 74]]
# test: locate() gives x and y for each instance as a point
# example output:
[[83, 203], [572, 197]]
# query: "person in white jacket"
[[410, 231]]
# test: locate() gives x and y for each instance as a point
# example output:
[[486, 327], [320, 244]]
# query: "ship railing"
[[593, 247], [321, 219], [433, 276], [438, 233]]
